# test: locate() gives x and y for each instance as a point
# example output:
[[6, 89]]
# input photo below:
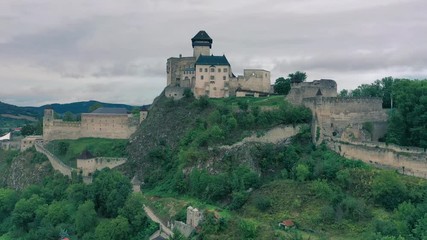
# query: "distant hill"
[[10, 109], [75, 107], [80, 107]]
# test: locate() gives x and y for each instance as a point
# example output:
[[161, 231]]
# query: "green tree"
[[297, 77], [343, 93], [114, 229], [110, 190], [133, 210], [8, 198], [68, 117], [25, 212], [85, 218], [282, 86], [27, 130], [302, 172], [388, 190]]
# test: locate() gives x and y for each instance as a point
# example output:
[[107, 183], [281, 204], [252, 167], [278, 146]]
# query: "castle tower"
[[202, 44], [47, 121], [48, 116]]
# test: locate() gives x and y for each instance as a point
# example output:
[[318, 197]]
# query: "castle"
[[113, 123], [209, 75]]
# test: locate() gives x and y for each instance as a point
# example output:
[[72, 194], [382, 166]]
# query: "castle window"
[[224, 78], [212, 69], [201, 77], [219, 69], [212, 82], [200, 69], [206, 70], [225, 70], [212, 77]]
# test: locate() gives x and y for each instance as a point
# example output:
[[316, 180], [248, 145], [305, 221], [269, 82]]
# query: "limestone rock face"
[[24, 172]]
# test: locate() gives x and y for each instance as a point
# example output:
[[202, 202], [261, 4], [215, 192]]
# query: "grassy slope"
[[99, 147]]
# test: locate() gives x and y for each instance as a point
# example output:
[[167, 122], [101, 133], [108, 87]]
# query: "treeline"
[[408, 102], [105, 209]]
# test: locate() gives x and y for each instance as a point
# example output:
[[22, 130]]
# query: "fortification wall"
[[332, 116], [174, 92], [55, 162], [338, 105], [106, 126], [409, 161], [88, 166], [57, 129], [115, 126], [301, 91]]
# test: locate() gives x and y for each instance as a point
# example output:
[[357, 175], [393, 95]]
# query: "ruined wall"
[[333, 116], [300, 91], [30, 141], [409, 161], [253, 80], [88, 166], [194, 216]]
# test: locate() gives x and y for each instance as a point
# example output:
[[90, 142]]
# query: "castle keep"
[[113, 123], [209, 75]]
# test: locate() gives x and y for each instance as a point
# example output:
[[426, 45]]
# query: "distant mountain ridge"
[[74, 107]]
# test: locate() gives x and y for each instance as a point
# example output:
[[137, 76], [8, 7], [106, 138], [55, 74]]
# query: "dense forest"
[[59, 207]]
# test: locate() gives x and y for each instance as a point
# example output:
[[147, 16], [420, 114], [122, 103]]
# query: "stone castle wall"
[[334, 116], [175, 67], [118, 126], [89, 166], [409, 161], [253, 80], [301, 91]]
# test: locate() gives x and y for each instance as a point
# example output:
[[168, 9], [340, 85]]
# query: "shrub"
[[238, 200], [262, 203]]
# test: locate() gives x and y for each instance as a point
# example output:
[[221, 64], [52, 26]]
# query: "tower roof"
[[86, 155], [212, 60], [201, 39]]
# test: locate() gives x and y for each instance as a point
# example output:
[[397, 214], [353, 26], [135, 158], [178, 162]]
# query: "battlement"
[[344, 105]]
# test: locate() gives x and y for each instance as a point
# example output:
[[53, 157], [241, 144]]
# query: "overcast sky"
[[115, 51]]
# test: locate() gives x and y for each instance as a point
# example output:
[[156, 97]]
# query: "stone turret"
[[48, 118], [202, 44]]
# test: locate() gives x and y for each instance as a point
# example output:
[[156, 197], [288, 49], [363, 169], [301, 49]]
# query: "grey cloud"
[[118, 47]]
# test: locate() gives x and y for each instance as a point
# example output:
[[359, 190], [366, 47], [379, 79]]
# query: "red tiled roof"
[[288, 223]]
